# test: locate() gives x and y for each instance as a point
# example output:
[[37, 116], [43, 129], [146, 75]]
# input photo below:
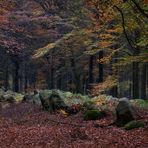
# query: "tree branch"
[[140, 9], [124, 30]]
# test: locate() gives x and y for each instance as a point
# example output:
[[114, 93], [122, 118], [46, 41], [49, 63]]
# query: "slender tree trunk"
[[26, 83], [90, 73], [135, 80], [7, 77], [143, 81], [51, 83], [114, 73], [114, 91], [21, 78], [59, 82], [52, 78], [16, 77], [85, 87], [76, 76], [100, 80], [26, 78], [91, 67]]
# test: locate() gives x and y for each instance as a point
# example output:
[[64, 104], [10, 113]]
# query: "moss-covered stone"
[[93, 114], [134, 124], [125, 112], [52, 101], [36, 99]]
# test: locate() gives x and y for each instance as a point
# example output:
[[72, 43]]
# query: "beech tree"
[[84, 46]]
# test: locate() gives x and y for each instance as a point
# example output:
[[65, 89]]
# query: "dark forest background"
[[83, 46]]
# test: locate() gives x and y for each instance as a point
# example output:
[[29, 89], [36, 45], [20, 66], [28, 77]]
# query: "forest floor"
[[28, 126]]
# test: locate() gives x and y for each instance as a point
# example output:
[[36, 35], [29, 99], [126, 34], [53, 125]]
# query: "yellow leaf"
[[63, 112]]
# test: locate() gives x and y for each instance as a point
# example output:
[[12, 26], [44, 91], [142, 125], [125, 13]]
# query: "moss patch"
[[94, 114], [134, 124]]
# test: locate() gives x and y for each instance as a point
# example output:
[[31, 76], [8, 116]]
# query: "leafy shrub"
[[100, 88], [71, 99], [140, 103], [134, 124], [88, 105], [93, 114]]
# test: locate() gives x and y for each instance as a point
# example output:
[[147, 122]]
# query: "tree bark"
[[16, 77], [59, 82], [91, 67], [6, 77], [26, 78], [76, 76], [142, 11], [100, 80], [52, 78], [135, 80], [143, 80]]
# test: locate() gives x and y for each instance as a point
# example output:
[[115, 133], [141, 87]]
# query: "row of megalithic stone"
[[52, 99]]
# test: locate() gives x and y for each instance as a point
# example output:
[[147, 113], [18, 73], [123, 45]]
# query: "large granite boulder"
[[2, 92], [51, 100], [44, 94], [33, 97], [36, 99], [28, 97], [2, 99], [18, 97], [125, 112], [8, 98]]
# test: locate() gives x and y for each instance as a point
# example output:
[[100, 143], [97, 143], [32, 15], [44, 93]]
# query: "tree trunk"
[[59, 82], [91, 67], [21, 77], [52, 78], [100, 80], [76, 76], [135, 80], [114, 73], [16, 77], [26, 78], [143, 81], [114, 91], [6, 77]]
